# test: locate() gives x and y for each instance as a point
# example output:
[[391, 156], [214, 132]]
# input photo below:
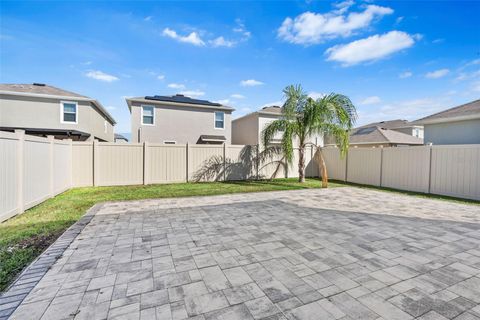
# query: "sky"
[[395, 59]]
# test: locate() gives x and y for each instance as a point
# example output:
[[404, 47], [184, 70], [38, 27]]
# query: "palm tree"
[[302, 116]]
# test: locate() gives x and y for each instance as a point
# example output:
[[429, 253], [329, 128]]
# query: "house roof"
[[179, 100], [465, 111], [119, 136], [391, 124], [379, 135], [271, 109], [41, 90]]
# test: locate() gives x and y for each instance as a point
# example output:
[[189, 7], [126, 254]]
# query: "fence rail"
[[451, 170], [33, 169]]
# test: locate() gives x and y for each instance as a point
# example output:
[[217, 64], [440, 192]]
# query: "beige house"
[[43, 110], [178, 120], [459, 125], [248, 129]]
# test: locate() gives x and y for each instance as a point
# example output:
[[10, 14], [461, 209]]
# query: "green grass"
[[24, 237]]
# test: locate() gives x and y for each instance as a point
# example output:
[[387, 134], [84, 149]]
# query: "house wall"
[[244, 130], [459, 132], [177, 123], [45, 113]]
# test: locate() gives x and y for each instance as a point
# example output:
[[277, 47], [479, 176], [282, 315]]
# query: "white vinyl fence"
[[33, 169], [452, 170]]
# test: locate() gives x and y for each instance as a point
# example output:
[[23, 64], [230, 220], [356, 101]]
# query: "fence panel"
[[455, 171], [240, 162], [118, 164], [311, 166], [205, 162], [82, 164], [336, 165], [363, 165], [406, 168], [165, 163], [37, 171], [272, 167], [9, 166], [62, 168]]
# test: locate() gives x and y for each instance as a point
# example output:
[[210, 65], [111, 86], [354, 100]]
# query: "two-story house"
[[179, 120], [248, 129], [43, 110]]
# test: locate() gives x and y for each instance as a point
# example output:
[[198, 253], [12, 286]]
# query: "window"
[[219, 120], [417, 132], [169, 142], [69, 112], [148, 115]]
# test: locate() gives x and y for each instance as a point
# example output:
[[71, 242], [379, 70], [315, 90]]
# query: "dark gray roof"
[[272, 109], [119, 137], [464, 110], [211, 137], [180, 98]]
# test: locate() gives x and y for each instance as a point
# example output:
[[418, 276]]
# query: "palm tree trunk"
[[323, 168], [301, 164]]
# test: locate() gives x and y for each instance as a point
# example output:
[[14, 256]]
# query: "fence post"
[[70, 160], [186, 162], [51, 157], [257, 160], [146, 163], [224, 162], [20, 168], [430, 169], [381, 165], [95, 163], [346, 164]]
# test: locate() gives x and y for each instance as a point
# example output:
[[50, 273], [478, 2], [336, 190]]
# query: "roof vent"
[[39, 84]]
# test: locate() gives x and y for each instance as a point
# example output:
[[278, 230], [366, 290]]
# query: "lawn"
[[24, 237]]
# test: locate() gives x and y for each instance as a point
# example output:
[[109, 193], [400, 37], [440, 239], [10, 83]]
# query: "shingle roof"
[[464, 110], [39, 88], [389, 124], [272, 109], [375, 134], [47, 90]]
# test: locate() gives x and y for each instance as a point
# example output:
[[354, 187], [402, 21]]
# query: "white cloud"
[[224, 101], [161, 77], [237, 96], [316, 95], [111, 108], [371, 48], [406, 74], [437, 74], [312, 28], [176, 86], [192, 38], [240, 28], [476, 86], [438, 40], [102, 76], [399, 20], [222, 42], [371, 100], [193, 93], [250, 83], [147, 18]]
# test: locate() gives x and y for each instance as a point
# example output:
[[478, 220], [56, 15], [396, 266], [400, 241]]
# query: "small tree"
[[302, 117]]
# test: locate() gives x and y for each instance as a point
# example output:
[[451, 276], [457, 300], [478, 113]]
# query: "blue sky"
[[395, 59]]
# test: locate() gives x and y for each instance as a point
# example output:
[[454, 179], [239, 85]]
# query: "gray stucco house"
[[458, 125], [179, 120], [248, 128], [43, 110]]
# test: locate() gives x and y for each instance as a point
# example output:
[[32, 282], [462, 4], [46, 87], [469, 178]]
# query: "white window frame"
[[215, 120], [169, 142], [153, 113], [62, 112]]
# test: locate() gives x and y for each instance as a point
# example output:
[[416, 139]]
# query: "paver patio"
[[343, 253]]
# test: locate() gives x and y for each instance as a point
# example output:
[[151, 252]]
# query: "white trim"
[[169, 142], [215, 120], [153, 115], [62, 112], [450, 119]]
